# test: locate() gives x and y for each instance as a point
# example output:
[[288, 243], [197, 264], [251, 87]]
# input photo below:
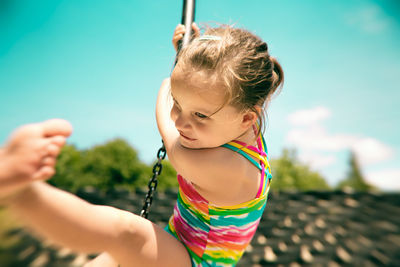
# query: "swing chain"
[[157, 168]]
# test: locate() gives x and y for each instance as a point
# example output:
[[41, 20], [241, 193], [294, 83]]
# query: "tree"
[[167, 179], [113, 164], [354, 178], [116, 164], [69, 174], [289, 174]]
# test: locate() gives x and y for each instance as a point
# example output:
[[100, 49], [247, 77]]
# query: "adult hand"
[[30, 154]]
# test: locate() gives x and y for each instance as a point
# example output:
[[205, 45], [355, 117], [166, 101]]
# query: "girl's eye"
[[199, 115]]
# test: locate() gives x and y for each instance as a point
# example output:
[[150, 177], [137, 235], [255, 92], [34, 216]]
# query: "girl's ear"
[[249, 118]]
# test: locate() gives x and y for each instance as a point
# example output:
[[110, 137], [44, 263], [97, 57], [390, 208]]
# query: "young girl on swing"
[[210, 116]]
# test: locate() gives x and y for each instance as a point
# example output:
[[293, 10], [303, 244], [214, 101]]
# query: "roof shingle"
[[297, 229]]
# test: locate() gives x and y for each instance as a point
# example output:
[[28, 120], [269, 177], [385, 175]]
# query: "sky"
[[99, 64]]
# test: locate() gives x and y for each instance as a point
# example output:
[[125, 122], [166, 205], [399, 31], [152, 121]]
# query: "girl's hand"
[[30, 154], [180, 31]]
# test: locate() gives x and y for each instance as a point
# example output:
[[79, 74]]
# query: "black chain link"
[[157, 168]]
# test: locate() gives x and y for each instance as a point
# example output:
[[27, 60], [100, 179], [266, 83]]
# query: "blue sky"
[[99, 65]]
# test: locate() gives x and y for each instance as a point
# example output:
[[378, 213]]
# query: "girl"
[[209, 114], [212, 134]]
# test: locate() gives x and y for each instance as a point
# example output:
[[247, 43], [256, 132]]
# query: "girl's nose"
[[181, 122]]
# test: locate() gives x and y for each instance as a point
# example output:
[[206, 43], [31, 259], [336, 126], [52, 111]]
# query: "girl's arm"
[[166, 126], [69, 220]]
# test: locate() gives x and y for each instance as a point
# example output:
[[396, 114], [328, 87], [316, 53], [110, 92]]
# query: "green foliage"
[[116, 164], [69, 174], [167, 179], [113, 164], [354, 178], [289, 174]]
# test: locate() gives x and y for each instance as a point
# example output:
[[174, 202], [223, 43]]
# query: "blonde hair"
[[240, 61]]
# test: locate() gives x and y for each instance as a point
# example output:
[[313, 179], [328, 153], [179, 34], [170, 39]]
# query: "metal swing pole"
[[187, 20]]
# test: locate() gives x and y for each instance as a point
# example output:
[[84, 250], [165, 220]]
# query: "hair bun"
[[263, 47]]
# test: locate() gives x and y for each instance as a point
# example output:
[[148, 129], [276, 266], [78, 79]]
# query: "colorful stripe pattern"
[[218, 236]]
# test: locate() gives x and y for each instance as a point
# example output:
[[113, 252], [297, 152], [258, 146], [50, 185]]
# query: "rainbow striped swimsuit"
[[218, 236]]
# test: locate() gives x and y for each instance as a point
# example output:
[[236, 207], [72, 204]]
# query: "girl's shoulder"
[[226, 162], [232, 179]]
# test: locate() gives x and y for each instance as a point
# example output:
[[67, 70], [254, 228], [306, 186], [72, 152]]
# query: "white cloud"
[[309, 116], [316, 138], [369, 150], [317, 161], [321, 149], [370, 19], [388, 179]]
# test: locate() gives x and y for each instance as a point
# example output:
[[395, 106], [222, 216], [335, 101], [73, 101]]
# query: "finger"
[[180, 31], [175, 41], [58, 140], [50, 146], [56, 127], [177, 37], [44, 173], [179, 27], [196, 29], [49, 161], [53, 150], [41, 147]]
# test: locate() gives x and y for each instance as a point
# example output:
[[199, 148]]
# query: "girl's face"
[[197, 112]]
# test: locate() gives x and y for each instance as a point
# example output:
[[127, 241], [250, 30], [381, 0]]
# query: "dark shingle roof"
[[297, 229]]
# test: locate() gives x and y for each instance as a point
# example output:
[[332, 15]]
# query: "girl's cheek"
[[200, 126]]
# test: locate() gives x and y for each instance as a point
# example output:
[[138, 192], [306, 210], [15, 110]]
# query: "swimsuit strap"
[[259, 153]]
